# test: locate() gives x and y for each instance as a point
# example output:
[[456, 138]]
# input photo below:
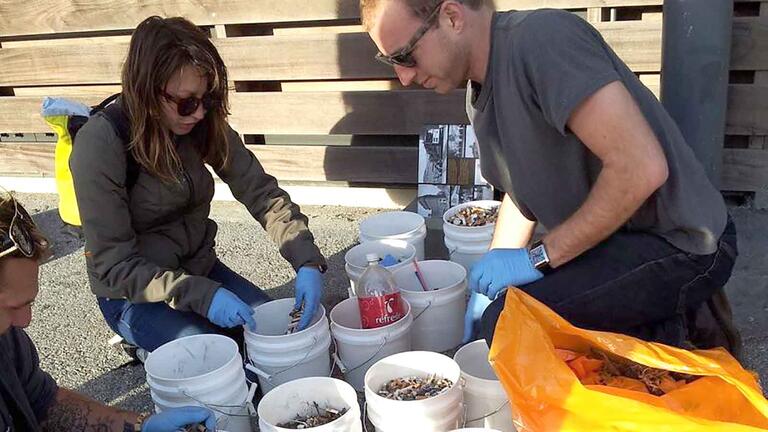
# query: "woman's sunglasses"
[[187, 106], [18, 238]]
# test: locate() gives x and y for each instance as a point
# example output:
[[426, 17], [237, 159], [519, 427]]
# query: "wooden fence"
[[309, 98]]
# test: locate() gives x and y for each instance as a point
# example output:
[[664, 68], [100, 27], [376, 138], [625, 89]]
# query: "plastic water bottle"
[[378, 296]]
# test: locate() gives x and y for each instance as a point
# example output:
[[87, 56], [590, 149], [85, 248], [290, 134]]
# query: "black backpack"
[[117, 117]]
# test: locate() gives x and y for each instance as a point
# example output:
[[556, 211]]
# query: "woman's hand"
[[309, 291]]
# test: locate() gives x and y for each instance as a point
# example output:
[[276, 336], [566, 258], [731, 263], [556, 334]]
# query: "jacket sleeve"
[[98, 165], [269, 205]]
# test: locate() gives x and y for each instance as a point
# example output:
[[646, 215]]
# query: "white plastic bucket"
[[356, 262], [396, 225], [438, 314], [277, 357], [486, 402], [294, 398], [439, 413], [360, 348], [466, 245], [203, 370]]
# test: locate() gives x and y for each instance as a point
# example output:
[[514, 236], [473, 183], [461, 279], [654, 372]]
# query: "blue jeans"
[[633, 283], [150, 325]]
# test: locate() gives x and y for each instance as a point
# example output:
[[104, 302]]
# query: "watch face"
[[538, 256]]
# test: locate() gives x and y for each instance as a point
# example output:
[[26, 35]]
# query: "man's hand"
[[475, 308], [500, 268], [309, 291], [176, 419]]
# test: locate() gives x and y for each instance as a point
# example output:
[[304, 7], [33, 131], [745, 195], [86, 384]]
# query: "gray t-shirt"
[[542, 65], [26, 392]]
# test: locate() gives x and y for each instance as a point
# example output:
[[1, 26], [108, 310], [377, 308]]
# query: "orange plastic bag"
[[547, 396]]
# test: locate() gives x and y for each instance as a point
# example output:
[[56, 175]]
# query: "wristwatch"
[[136, 427], [539, 257]]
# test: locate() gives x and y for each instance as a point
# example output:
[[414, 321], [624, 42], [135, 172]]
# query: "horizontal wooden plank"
[[743, 169], [379, 165], [749, 50], [747, 110], [75, 92], [24, 17], [398, 112], [27, 159], [311, 56], [336, 163]]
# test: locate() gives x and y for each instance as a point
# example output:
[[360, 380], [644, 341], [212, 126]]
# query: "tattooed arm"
[[73, 412]]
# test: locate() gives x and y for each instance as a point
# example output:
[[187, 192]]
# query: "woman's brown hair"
[[159, 48]]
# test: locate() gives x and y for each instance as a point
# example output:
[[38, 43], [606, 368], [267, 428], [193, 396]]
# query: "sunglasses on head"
[[404, 56], [18, 238], [187, 106]]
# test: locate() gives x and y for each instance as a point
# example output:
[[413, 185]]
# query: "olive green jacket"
[[155, 243]]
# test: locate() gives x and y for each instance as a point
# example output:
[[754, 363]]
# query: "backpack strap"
[[116, 115]]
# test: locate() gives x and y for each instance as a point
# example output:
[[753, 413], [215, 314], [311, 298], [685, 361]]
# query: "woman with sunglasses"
[[149, 242]]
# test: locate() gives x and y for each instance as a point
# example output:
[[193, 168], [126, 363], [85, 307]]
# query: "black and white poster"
[[449, 169]]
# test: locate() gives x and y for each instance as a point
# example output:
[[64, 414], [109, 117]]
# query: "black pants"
[[632, 283]]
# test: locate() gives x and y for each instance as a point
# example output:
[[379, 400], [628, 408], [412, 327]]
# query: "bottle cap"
[[372, 257]]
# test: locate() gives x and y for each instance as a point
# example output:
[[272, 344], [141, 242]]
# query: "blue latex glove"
[[309, 291], [475, 308], [227, 310], [176, 419], [388, 261], [500, 268]]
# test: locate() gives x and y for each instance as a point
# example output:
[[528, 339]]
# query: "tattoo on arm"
[[73, 412]]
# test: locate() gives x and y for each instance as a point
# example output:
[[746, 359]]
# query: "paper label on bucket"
[[380, 310]]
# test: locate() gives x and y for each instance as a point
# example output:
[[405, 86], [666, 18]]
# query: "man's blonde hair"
[[419, 8], [7, 211]]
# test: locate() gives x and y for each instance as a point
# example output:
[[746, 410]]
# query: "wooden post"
[[696, 50]]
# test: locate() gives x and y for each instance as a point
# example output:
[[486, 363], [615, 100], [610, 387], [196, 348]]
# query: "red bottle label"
[[380, 311]]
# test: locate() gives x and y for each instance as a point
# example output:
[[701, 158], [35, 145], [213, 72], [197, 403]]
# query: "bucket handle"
[[501, 407], [344, 369], [422, 312], [269, 377], [218, 407]]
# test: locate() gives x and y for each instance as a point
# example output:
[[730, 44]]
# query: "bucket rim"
[[418, 221], [469, 346], [343, 386], [408, 313], [226, 339], [424, 263], [456, 384], [479, 203], [250, 333], [407, 246]]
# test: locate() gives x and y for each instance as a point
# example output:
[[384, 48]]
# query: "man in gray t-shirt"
[[637, 237]]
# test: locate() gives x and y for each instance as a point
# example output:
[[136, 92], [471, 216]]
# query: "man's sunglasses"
[[404, 56], [187, 106], [18, 238]]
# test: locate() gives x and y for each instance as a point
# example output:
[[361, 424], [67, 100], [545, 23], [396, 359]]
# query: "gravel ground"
[[71, 335]]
